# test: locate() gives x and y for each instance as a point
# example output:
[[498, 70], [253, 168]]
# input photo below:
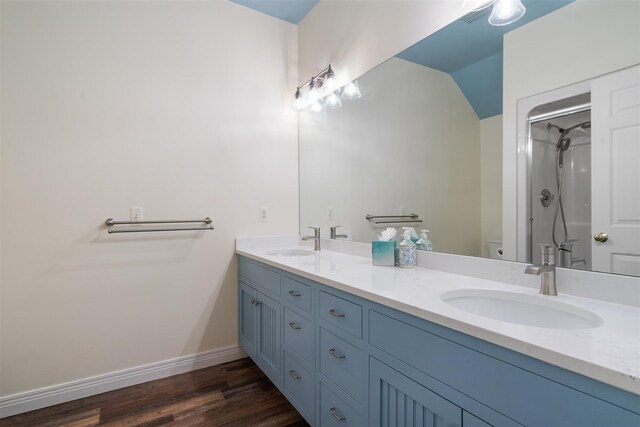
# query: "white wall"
[[179, 107], [411, 141], [583, 40], [490, 181], [355, 36]]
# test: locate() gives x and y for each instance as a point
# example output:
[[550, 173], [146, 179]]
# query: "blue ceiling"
[[472, 53], [290, 10]]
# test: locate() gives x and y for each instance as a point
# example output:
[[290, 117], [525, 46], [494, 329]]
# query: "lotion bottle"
[[424, 244], [407, 252]]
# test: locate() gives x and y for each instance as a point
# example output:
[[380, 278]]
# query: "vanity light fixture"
[[506, 11], [351, 90], [321, 91]]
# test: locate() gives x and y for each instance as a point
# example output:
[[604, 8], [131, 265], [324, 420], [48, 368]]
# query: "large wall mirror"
[[495, 138]]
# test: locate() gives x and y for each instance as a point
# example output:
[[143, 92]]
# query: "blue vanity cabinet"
[[346, 361]]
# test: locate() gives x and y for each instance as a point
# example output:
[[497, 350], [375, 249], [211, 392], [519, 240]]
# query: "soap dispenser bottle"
[[424, 244], [407, 252]]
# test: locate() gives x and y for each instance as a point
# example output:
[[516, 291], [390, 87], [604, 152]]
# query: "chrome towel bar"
[[393, 219], [111, 223]]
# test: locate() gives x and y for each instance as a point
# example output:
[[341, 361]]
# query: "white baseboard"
[[53, 395]]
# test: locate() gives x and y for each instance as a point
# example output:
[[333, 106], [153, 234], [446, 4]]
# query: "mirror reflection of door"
[[616, 172]]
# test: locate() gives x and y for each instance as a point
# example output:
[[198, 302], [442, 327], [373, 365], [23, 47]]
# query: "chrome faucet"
[[333, 234], [546, 270], [315, 237]]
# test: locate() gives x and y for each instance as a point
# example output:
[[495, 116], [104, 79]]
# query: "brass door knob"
[[601, 237]]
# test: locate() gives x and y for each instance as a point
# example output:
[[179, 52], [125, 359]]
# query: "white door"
[[615, 171]]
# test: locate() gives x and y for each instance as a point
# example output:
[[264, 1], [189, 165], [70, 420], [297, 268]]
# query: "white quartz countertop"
[[609, 353]]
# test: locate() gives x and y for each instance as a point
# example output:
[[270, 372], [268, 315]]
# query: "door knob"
[[601, 237]]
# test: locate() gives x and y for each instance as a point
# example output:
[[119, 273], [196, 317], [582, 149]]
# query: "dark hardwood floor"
[[233, 394]]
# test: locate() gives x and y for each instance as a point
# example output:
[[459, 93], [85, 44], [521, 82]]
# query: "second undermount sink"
[[290, 252], [529, 310]]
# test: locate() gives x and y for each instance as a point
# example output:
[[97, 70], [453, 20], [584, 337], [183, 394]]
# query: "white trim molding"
[[60, 393]]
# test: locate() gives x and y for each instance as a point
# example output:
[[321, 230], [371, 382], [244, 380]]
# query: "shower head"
[[563, 144]]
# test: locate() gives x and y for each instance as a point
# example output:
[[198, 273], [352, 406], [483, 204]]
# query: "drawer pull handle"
[[293, 374], [294, 293], [332, 351], [334, 313], [293, 325], [333, 413]]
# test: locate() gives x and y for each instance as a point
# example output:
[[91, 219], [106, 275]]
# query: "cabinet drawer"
[[342, 363], [341, 313], [296, 293], [299, 334], [260, 276], [300, 384], [335, 412]]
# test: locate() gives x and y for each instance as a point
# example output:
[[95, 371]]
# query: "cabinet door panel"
[[398, 401], [269, 344], [247, 319]]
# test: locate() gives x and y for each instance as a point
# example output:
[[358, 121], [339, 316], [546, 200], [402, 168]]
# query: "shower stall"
[[560, 181]]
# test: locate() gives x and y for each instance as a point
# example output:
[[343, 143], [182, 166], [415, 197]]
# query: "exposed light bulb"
[[474, 5], [351, 90], [506, 12], [333, 101], [314, 93], [316, 107], [329, 83]]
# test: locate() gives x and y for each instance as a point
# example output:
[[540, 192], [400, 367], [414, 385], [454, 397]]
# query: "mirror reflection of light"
[[351, 90], [506, 12]]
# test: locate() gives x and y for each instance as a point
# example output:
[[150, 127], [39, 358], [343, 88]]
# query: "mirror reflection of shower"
[[560, 180]]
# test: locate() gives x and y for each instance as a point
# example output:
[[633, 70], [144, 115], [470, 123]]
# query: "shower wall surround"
[[576, 185]]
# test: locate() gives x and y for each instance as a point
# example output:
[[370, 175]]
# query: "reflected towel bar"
[[393, 219], [111, 223]]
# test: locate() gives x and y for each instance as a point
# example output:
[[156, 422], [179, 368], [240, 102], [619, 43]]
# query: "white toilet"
[[495, 248]]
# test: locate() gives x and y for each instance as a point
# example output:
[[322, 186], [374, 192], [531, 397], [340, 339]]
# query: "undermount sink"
[[290, 252], [529, 310]]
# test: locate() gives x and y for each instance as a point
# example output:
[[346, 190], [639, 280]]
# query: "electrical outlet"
[[330, 213], [263, 214], [136, 213]]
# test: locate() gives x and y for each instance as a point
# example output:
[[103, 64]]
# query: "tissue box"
[[383, 252]]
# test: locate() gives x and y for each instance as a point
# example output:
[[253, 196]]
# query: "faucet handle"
[[316, 230], [335, 227]]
